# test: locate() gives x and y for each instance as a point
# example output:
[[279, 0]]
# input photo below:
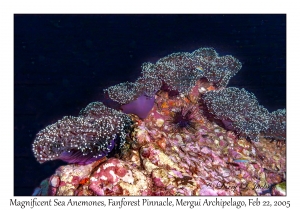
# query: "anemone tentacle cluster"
[[82, 139], [241, 108], [277, 125], [179, 71]]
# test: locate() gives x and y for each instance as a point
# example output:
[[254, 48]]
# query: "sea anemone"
[[240, 108], [83, 139], [141, 106]]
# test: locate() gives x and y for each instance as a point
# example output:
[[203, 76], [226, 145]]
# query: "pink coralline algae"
[[194, 137]]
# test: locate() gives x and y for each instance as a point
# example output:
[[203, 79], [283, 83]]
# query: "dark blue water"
[[62, 63]]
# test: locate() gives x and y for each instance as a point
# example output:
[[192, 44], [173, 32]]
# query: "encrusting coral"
[[184, 133]]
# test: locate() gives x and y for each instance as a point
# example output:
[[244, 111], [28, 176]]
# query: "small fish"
[[199, 68], [241, 161], [210, 88], [237, 161]]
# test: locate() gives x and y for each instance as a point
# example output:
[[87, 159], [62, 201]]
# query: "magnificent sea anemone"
[[82, 139]]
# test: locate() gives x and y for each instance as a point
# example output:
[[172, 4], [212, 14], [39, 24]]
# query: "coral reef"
[[184, 133]]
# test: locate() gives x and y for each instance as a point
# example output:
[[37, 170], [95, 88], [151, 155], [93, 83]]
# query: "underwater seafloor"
[[176, 130]]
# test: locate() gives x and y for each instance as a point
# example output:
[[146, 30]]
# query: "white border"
[[8, 8]]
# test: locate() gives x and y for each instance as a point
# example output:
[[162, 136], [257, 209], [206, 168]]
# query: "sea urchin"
[[184, 119]]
